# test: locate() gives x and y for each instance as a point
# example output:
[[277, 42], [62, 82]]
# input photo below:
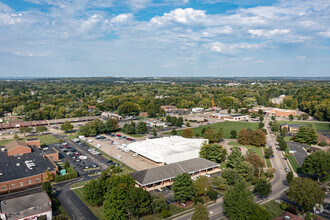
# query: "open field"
[[227, 127], [96, 210], [318, 126], [273, 209]]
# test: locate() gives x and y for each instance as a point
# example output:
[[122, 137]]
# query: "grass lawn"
[[286, 139], [227, 127], [318, 126], [273, 209], [293, 162], [96, 210], [134, 135], [269, 164], [79, 184], [44, 139], [256, 149]]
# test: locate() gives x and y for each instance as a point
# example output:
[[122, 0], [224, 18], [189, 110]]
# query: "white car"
[[207, 175], [98, 146], [82, 157], [89, 140], [135, 154]]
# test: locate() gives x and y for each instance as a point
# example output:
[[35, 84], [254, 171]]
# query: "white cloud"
[[301, 58], [10, 18], [268, 33], [138, 4], [122, 18], [181, 16], [231, 48]]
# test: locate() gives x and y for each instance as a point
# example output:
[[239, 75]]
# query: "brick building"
[[24, 166]]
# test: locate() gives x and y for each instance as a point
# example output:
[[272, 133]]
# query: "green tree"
[[213, 152], [261, 118], [41, 129], [187, 133], [129, 108], [129, 128], [203, 185], [141, 128], [233, 134], [306, 134], [213, 195], [284, 131], [158, 203], [179, 122], [114, 206], [275, 126], [230, 175], [138, 201], [183, 187], [66, 126], [154, 132], [24, 130], [210, 135], [258, 138], [219, 182], [291, 117], [66, 164], [268, 152], [238, 202], [305, 116], [260, 112], [245, 170], [318, 164], [16, 136], [111, 125], [261, 125], [235, 158], [220, 135], [262, 188], [273, 118], [94, 192], [200, 213], [173, 132], [244, 136], [174, 120], [289, 177], [305, 192], [47, 187]]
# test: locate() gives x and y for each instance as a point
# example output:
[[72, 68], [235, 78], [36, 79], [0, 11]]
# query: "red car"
[[118, 135]]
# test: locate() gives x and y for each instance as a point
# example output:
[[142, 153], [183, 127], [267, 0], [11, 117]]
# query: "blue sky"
[[60, 38]]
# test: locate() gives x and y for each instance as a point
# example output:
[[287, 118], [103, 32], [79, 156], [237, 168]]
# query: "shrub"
[[284, 206], [213, 195]]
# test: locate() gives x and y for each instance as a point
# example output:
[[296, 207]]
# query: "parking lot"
[[300, 154], [81, 157], [110, 145]]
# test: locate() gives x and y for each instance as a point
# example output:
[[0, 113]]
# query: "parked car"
[[82, 157]]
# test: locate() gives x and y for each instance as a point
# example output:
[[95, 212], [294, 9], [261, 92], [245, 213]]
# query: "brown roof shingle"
[[15, 143]]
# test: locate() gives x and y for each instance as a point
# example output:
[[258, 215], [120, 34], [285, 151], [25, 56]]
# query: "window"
[[29, 182], [12, 185], [37, 180], [3, 187], [21, 184]]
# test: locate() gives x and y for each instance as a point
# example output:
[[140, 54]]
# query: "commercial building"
[[111, 115], [157, 177], [197, 109], [28, 207], [226, 117], [168, 149], [168, 108], [24, 166], [277, 112], [292, 128]]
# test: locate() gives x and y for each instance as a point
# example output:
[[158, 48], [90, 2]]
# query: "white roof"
[[168, 149]]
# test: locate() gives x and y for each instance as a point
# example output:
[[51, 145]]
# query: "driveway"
[[300, 154]]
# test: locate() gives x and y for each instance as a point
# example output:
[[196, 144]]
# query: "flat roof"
[[25, 206], [168, 149], [10, 171], [169, 171]]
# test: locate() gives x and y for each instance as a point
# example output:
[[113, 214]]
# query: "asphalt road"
[[75, 208]]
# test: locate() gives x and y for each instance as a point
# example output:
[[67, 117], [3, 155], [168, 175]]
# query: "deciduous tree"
[[200, 213], [318, 164], [187, 133], [262, 188], [305, 192], [213, 152], [244, 137], [258, 138]]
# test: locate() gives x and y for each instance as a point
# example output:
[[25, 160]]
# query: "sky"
[[140, 38]]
